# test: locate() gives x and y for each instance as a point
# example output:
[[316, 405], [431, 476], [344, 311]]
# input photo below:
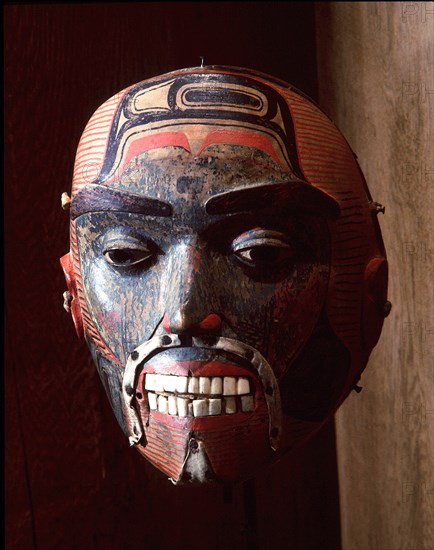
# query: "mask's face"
[[203, 278]]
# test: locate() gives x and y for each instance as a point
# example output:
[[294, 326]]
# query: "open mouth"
[[185, 392], [198, 396]]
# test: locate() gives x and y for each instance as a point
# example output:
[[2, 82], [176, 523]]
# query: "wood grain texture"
[[376, 82], [85, 488]]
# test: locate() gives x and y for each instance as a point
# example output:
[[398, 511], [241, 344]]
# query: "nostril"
[[211, 322], [166, 324]]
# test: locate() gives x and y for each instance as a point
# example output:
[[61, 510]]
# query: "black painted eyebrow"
[[99, 198], [294, 194]]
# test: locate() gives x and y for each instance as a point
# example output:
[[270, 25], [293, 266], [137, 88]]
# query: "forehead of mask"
[[133, 139], [187, 110], [173, 174]]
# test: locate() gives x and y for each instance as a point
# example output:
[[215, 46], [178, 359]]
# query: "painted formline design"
[[183, 407]]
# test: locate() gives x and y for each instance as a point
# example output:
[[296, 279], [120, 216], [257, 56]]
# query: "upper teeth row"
[[179, 406], [197, 385]]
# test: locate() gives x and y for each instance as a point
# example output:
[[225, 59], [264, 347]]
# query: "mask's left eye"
[[263, 249], [126, 256]]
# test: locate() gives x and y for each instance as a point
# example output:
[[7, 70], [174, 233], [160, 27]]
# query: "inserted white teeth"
[[198, 395]]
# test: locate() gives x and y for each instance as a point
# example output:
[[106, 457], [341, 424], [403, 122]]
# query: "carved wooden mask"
[[226, 268]]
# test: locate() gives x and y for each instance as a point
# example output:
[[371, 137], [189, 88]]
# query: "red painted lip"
[[204, 423], [197, 368]]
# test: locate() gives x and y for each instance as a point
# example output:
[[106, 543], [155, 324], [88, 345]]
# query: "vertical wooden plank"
[[19, 520], [376, 81]]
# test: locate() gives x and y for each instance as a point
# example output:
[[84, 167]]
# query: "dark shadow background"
[[72, 482]]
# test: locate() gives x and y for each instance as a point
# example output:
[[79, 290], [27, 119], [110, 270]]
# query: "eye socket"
[[126, 250], [260, 255], [263, 249], [126, 257]]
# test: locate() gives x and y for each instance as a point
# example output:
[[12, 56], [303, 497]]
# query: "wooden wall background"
[[375, 75], [72, 482]]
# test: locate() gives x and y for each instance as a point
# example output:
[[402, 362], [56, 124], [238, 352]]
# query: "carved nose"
[[182, 324]]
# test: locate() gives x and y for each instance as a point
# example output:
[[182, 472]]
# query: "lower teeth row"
[[179, 406]]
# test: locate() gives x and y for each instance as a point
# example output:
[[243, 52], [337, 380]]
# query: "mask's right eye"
[[126, 257], [126, 251]]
